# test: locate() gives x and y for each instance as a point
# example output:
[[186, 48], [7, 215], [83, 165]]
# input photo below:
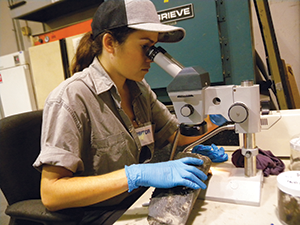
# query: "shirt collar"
[[103, 82]]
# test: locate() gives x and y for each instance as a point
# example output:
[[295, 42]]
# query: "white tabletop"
[[215, 212]]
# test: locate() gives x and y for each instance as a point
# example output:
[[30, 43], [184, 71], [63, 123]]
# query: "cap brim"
[[167, 33]]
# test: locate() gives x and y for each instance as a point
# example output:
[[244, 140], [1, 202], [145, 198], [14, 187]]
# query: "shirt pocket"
[[113, 153]]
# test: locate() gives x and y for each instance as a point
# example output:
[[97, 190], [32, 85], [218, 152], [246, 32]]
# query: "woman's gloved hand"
[[169, 174], [213, 152]]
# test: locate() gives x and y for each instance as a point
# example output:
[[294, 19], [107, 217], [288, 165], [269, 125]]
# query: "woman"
[[101, 126]]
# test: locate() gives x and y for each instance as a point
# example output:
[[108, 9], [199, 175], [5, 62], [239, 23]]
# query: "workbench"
[[216, 213]]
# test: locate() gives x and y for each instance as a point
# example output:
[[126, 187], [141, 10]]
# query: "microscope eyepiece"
[[164, 60], [153, 51]]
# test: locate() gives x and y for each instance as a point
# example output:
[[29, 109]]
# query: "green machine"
[[218, 38]]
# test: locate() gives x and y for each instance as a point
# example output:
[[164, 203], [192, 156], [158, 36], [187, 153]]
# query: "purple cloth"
[[265, 161]]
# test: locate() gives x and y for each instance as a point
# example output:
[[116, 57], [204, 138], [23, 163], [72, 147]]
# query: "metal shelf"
[[44, 11]]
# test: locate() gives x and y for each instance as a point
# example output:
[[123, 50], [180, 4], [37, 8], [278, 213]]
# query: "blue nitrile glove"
[[217, 119], [169, 174], [213, 152]]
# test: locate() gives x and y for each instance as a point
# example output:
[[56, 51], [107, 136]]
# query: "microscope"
[[193, 99]]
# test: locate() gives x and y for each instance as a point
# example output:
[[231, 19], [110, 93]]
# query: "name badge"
[[145, 134]]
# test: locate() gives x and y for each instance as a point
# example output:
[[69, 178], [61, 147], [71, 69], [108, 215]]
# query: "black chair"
[[19, 181]]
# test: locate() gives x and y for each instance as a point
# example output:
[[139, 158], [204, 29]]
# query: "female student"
[[102, 125]]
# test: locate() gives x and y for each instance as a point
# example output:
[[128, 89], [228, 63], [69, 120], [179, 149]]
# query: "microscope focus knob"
[[187, 110], [238, 112]]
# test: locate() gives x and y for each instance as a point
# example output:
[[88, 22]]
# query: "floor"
[[4, 219]]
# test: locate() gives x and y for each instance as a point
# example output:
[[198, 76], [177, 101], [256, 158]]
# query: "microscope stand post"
[[237, 185]]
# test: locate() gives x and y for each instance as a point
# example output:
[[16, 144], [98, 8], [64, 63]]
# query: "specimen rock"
[[173, 206]]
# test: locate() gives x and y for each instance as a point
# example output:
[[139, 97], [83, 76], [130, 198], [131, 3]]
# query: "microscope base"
[[232, 186]]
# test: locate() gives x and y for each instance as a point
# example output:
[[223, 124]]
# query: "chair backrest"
[[19, 147]]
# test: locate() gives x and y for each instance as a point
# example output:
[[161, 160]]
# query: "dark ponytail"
[[89, 48], [84, 53]]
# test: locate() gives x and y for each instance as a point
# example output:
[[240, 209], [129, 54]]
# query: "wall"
[[285, 14], [286, 20], [11, 38], [8, 42], [7, 45]]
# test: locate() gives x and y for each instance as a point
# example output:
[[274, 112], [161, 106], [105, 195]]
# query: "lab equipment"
[[193, 98], [288, 184], [165, 60], [283, 122], [295, 153], [166, 174], [16, 86]]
